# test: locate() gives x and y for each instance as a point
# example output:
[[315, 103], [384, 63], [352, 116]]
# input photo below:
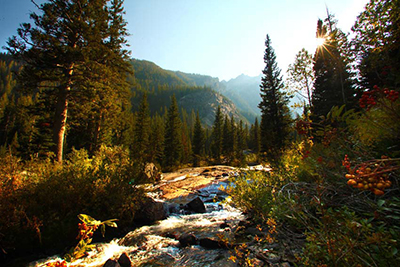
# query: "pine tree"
[[141, 131], [172, 141], [376, 44], [255, 137], [217, 135], [75, 52], [332, 85], [186, 142], [241, 143], [156, 144], [275, 117], [198, 141]]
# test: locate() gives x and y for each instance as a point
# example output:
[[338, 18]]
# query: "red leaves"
[[370, 98]]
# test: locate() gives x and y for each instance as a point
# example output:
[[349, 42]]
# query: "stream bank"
[[201, 228]]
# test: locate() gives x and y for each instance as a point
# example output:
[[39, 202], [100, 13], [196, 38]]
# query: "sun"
[[320, 42]]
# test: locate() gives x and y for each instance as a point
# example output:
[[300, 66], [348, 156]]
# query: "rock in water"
[[210, 243], [187, 240], [150, 211], [124, 260], [196, 205], [111, 263]]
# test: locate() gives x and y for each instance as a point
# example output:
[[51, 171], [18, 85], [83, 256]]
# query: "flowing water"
[[158, 245]]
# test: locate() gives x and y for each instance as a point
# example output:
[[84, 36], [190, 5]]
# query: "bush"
[[41, 201]]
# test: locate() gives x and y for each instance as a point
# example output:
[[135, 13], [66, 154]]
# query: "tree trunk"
[[60, 123], [60, 119]]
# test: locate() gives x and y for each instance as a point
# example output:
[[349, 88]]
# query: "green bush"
[[41, 200]]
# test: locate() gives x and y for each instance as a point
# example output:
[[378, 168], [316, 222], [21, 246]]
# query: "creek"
[[184, 238]]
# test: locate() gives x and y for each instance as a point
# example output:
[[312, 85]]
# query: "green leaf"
[[111, 224], [381, 202], [394, 251], [86, 219]]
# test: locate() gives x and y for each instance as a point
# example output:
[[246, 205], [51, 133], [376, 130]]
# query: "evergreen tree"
[[217, 135], [156, 144], [226, 137], [74, 52], [172, 141], [141, 131], [198, 141], [241, 143], [255, 137], [186, 142], [275, 117], [376, 44], [332, 86]]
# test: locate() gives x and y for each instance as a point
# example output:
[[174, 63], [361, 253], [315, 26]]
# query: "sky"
[[220, 38]]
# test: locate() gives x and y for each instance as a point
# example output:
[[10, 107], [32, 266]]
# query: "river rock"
[[210, 243], [151, 171], [150, 211], [111, 263], [196, 205], [124, 260], [187, 240]]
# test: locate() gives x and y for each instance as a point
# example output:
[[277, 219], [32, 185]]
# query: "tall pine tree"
[[141, 131], [75, 53], [198, 141], [172, 142], [332, 85], [275, 116], [217, 135]]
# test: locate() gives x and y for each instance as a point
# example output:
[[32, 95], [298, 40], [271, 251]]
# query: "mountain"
[[193, 92], [244, 91]]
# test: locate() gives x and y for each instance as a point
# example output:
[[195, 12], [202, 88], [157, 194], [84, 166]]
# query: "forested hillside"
[[194, 92]]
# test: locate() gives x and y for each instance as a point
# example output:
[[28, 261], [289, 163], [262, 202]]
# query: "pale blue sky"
[[221, 38]]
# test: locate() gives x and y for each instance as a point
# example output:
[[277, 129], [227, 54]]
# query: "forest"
[[80, 120]]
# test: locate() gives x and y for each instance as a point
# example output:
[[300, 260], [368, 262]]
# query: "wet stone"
[[210, 243], [111, 263], [187, 240], [196, 205], [124, 260]]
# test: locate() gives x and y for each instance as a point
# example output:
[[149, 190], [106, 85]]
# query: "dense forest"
[[80, 121]]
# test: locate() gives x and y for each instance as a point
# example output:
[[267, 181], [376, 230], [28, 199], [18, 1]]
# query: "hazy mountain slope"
[[193, 91], [244, 91]]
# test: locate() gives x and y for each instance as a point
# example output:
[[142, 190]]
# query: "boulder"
[[152, 172], [124, 260], [150, 211], [187, 240], [196, 205], [211, 243], [111, 263]]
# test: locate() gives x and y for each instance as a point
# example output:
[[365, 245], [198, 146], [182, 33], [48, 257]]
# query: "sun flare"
[[320, 42]]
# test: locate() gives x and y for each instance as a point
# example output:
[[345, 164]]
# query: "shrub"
[[41, 201]]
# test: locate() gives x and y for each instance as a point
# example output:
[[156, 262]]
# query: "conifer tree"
[[332, 85], [217, 135], [156, 144], [186, 142], [141, 130], [241, 142], [376, 44], [198, 140], [172, 141], [74, 52], [226, 137], [275, 117], [255, 137]]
